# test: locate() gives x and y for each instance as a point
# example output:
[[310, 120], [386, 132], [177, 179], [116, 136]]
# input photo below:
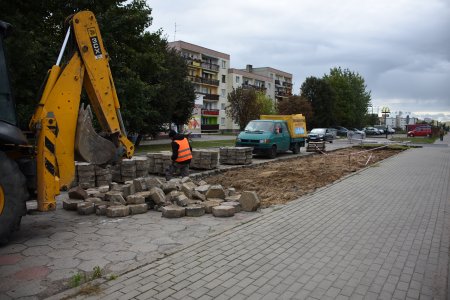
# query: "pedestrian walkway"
[[382, 233]]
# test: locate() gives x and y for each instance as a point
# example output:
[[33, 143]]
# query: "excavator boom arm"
[[60, 104]]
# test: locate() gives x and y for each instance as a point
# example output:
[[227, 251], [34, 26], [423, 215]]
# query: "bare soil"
[[279, 182]]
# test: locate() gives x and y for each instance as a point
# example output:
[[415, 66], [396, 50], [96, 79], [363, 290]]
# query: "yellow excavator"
[[62, 127]]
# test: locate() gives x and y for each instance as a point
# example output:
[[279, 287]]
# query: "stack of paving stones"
[[174, 199], [158, 162], [85, 175], [128, 169], [142, 165], [235, 155], [204, 159], [103, 175]]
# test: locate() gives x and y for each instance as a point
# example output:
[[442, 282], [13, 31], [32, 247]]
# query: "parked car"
[[359, 132], [381, 128], [390, 130], [371, 131], [341, 131], [421, 131], [320, 134]]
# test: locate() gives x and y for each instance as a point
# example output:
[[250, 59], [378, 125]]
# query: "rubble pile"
[[174, 199], [204, 159], [235, 155]]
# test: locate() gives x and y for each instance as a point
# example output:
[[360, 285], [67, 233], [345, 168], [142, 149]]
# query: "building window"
[[269, 85], [238, 79], [224, 64], [224, 93], [222, 106], [222, 121], [223, 78]]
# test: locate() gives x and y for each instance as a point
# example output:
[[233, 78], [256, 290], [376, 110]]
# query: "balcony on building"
[[252, 86], [277, 82], [282, 94], [210, 66], [287, 84], [213, 97], [210, 112], [203, 80]]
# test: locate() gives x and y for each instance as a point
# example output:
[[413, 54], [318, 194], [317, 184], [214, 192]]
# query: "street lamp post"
[[385, 112]]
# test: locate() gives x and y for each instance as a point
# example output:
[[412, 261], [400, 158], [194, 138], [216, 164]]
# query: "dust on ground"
[[279, 182]]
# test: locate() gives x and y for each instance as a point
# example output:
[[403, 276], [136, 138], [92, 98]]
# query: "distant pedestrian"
[[181, 155], [441, 133]]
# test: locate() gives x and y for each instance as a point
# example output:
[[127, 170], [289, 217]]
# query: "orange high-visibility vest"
[[184, 151]]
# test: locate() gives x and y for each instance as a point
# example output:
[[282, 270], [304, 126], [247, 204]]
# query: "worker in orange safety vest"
[[181, 155]]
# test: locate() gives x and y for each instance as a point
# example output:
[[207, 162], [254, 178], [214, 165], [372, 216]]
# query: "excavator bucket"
[[90, 146]]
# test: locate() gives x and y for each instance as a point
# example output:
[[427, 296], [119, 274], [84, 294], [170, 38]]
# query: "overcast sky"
[[400, 47]]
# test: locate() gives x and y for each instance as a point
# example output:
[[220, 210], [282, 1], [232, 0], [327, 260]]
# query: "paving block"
[[117, 211], [249, 201], [194, 210], [235, 204], [77, 193], [223, 211], [115, 196], [203, 188], [138, 208], [209, 204], [71, 204], [135, 199], [100, 210], [157, 195], [215, 191], [86, 208], [173, 211], [181, 200]]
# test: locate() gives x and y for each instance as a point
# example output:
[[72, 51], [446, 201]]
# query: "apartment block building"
[[282, 81], [213, 79], [208, 71]]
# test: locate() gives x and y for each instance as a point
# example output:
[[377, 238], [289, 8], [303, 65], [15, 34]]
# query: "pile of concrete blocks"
[[103, 175], [158, 162], [204, 159], [174, 199], [235, 155]]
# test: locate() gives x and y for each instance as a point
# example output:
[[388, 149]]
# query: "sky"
[[400, 47]]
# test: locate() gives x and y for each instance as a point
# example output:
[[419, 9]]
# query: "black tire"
[[15, 195], [296, 148], [273, 152]]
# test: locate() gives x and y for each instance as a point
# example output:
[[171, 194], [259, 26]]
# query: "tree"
[[265, 103], [322, 98], [143, 68], [243, 106], [352, 99], [297, 105]]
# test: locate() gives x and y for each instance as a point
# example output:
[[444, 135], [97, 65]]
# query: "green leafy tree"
[[352, 99], [243, 106], [265, 103], [322, 98], [297, 105]]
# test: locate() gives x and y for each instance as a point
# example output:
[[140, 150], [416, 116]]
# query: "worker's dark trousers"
[[175, 168]]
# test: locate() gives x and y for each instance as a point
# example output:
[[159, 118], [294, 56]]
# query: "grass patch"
[[416, 140], [195, 145]]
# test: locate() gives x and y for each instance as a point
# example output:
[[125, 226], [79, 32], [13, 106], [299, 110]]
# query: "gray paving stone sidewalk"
[[382, 233]]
